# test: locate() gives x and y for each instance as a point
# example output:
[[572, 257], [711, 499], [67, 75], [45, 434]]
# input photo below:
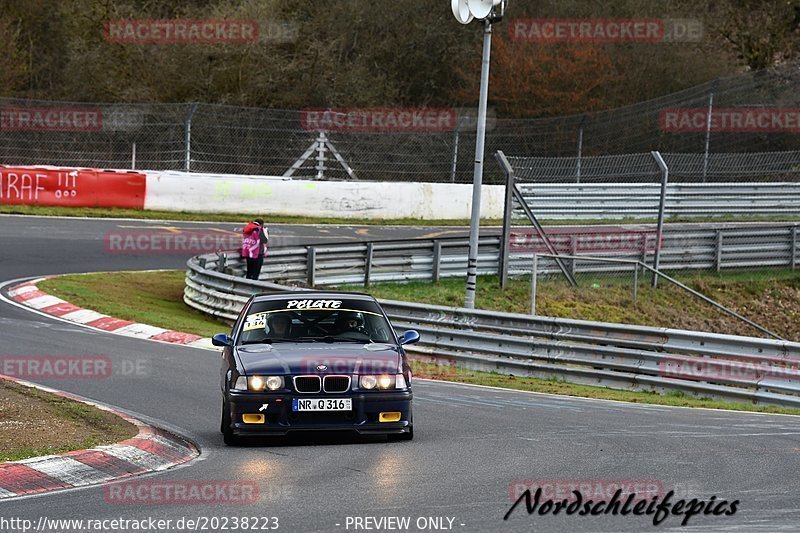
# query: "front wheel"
[[225, 427]]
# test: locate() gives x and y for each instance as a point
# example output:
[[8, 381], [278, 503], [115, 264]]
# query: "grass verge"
[[156, 298], [111, 212], [35, 423], [108, 212]]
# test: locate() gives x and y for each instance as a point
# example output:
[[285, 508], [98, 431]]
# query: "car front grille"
[[336, 383], [308, 384]]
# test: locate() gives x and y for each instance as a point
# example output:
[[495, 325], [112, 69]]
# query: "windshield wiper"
[[271, 341], [330, 338]]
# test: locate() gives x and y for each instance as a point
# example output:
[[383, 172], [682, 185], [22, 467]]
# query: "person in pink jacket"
[[254, 247]]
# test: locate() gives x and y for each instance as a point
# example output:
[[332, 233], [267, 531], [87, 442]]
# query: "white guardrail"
[[744, 369]]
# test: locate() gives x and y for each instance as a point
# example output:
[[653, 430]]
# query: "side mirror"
[[409, 337], [221, 339]]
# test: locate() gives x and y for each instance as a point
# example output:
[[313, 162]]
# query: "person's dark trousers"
[[254, 267]]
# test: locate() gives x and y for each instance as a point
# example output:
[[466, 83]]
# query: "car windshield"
[[314, 320]]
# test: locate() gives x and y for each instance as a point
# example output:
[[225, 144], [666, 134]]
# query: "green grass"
[[156, 298], [108, 212], [87, 425]]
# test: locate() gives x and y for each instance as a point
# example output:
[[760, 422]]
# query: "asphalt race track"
[[471, 443]]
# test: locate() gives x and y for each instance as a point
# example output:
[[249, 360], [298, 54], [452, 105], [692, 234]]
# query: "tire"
[[225, 427], [396, 437]]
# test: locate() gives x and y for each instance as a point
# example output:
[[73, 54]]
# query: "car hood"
[[304, 358]]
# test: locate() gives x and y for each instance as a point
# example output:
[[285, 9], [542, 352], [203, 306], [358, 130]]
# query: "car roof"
[[320, 295]]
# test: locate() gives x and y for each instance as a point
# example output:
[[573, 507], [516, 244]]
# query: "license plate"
[[322, 404]]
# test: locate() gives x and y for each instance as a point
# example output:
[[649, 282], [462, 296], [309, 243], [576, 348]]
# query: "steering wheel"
[[354, 334]]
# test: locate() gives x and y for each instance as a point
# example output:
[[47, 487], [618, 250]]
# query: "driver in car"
[[349, 322], [280, 326]]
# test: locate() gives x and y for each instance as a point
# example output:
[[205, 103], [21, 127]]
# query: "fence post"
[[188, 164], [718, 261], [662, 165], [635, 284], [507, 212], [534, 275], [455, 151], [437, 260], [133, 156], [580, 150], [708, 130], [573, 251], [311, 262], [368, 264]]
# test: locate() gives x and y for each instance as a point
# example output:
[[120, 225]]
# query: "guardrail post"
[[437, 261], [222, 258], [534, 275], [794, 247], [311, 261], [718, 260], [368, 264]]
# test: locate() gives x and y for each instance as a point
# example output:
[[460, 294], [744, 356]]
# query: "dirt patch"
[[34, 423]]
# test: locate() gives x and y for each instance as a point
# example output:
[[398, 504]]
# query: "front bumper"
[[281, 420]]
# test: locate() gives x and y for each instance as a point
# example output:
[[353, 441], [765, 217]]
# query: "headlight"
[[260, 383], [369, 382], [384, 381], [274, 382], [241, 383]]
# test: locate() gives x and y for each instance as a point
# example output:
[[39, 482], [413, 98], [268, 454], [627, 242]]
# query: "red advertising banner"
[[72, 187]]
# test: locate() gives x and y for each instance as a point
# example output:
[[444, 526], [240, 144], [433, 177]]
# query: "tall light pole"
[[488, 11]]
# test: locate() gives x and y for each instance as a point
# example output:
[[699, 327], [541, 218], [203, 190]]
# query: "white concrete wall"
[[272, 195]]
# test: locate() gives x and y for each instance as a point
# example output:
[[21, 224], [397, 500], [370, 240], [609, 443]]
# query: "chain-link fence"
[[735, 242], [609, 289], [749, 113]]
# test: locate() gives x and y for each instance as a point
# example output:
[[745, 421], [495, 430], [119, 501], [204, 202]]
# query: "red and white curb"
[[151, 450], [29, 295]]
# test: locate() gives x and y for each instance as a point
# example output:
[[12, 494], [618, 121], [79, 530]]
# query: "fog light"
[[392, 416], [253, 419]]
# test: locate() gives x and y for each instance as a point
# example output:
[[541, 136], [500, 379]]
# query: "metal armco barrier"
[[684, 247], [608, 201], [621, 356]]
